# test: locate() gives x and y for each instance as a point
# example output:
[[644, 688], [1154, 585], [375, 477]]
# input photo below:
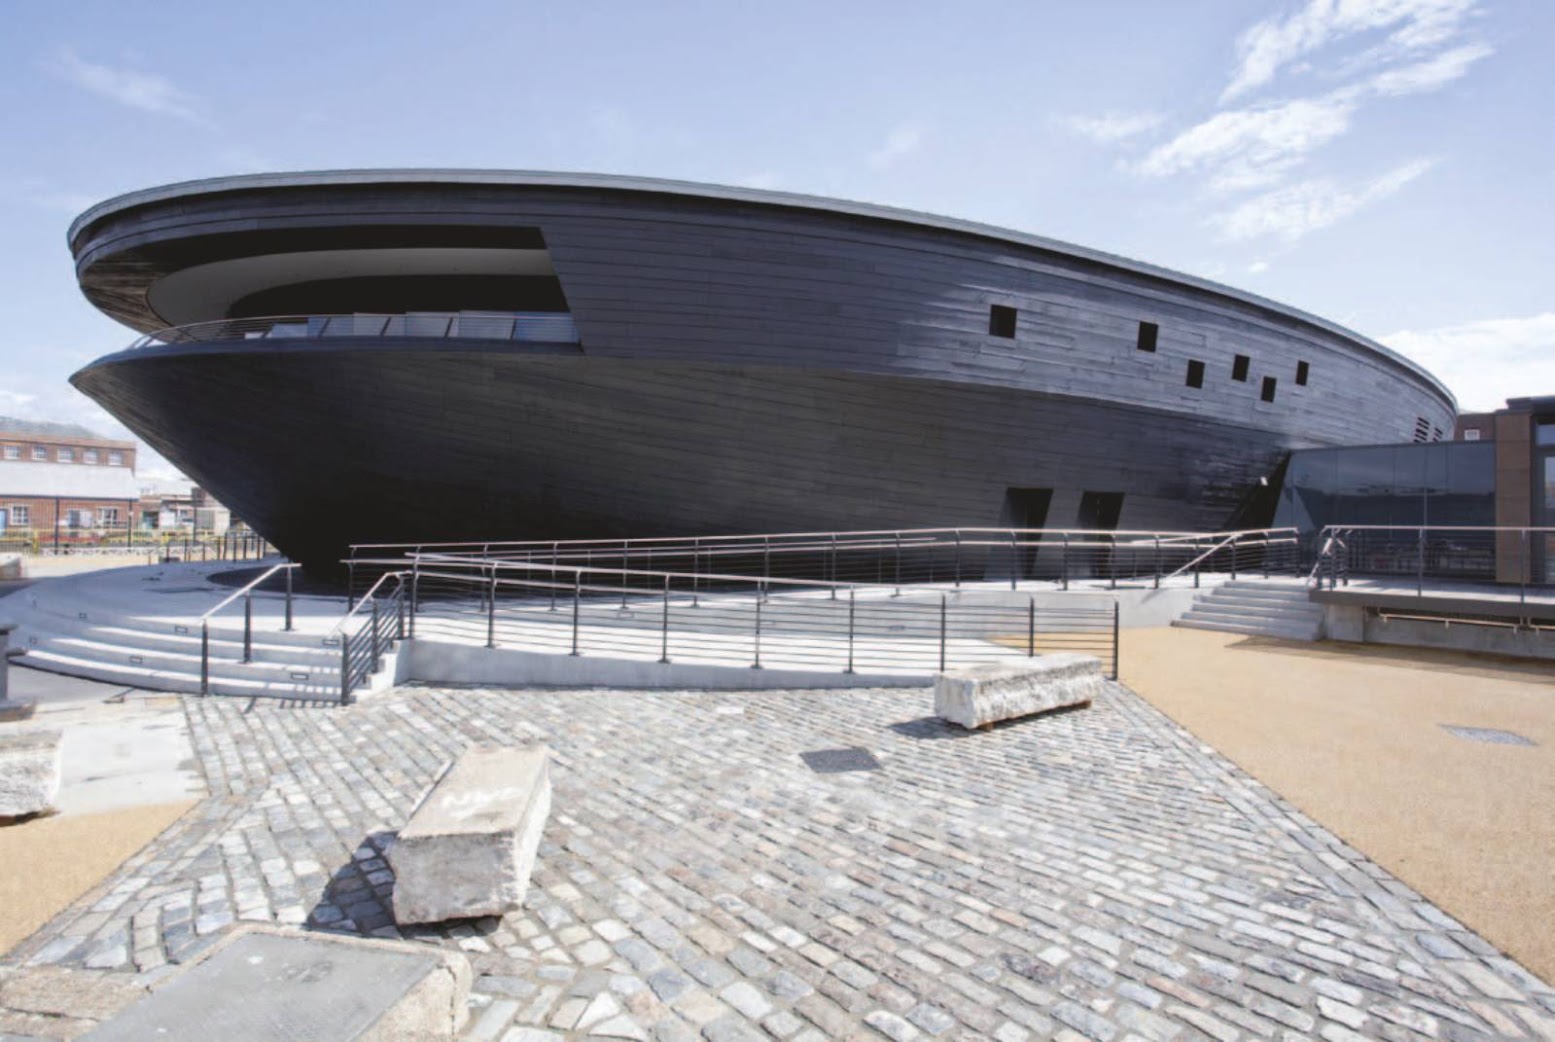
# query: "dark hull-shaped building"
[[431, 356]]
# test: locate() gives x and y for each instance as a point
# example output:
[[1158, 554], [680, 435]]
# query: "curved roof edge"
[[760, 196]]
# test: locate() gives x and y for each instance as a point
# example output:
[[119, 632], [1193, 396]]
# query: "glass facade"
[[1443, 483]]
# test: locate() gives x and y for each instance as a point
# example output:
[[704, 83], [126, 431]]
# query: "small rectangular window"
[[1472, 434], [1195, 373], [89, 456], [1147, 334], [1301, 374], [1268, 389], [116, 459], [40, 453], [67, 455], [13, 452], [1239, 366], [21, 517], [1001, 321]]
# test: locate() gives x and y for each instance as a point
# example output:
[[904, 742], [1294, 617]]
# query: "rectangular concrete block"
[[470, 845], [266, 985], [982, 695], [29, 772]]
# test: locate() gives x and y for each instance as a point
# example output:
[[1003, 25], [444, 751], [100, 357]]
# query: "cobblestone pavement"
[[1092, 874]]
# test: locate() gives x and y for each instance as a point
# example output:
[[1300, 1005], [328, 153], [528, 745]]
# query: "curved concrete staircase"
[[62, 632], [1257, 607]]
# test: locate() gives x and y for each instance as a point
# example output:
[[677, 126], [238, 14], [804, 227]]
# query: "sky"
[[1386, 164]]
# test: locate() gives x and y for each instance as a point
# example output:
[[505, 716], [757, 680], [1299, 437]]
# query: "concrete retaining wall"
[[1353, 623]]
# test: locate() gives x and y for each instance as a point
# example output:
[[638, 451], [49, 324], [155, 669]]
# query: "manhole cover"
[[1488, 734], [836, 761]]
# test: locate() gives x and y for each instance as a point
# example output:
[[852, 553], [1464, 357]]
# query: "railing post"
[[851, 592], [664, 628], [577, 596], [897, 567], [248, 627], [1064, 562], [756, 663], [399, 607], [1266, 555], [1157, 562], [766, 560], [1014, 560], [1232, 545], [205, 657], [1114, 640], [350, 585], [958, 558], [696, 571], [1112, 561], [1196, 559], [1031, 627], [552, 574], [377, 644], [626, 561], [345, 668], [942, 633], [491, 611], [1522, 569], [834, 565], [415, 590], [1420, 562]]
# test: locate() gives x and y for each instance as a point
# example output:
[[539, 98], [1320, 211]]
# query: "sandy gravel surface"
[[1353, 736], [46, 863]]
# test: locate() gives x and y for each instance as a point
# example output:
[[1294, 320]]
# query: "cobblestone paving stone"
[[1096, 874]]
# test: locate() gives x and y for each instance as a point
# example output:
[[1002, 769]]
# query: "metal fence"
[[1508, 556], [1021, 558], [367, 632], [154, 543]]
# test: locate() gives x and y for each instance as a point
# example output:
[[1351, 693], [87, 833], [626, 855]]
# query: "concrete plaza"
[[1093, 874]]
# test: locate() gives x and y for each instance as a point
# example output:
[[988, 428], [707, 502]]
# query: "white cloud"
[[764, 179], [900, 143], [137, 90], [1250, 147], [1294, 211], [1258, 267], [1431, 74], [1488, 361], [1114, 126], [1275, 43]]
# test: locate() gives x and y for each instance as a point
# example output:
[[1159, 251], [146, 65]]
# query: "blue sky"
[[1383, 163]]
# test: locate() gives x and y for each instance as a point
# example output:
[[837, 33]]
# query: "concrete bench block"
[[470, 845], [981, 695], [29, 772], [260, 984]]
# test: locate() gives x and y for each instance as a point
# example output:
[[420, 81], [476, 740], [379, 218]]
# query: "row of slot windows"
[[61, 454], [107, 517], [1001, 323]]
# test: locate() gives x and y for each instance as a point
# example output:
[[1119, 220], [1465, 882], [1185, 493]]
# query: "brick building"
[[61, 484]]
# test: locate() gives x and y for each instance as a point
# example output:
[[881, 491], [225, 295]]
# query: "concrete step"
[[262, 649], [1252, 592], [267, 630], [1260, 609], [175, 681], [1251, 629], [227, 663]]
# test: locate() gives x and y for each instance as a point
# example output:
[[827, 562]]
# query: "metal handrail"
[[247, 593], [547, 327], [361, 602]]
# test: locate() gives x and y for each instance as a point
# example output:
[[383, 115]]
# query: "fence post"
[[1014, 560], [851, 591], [377, 648], [552, 575], [289, 599], [248, 627], [1522, 569], [1114, 640], [1266, 555], [1031, 627], [898, 566], [756, 664], [1112, 561], [958, 558], [1233, 558], [834, 565], [415, 590], [399, 607], [1157, 562], [491, 611], [350, 585], [766, 560], [1064, 562], [205, 657], [664, 629], [1420, 562], [626, 563], [345, 668], [942, 633], [577, 595]]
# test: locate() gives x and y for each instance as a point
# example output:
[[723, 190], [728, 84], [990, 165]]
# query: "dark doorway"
[[1026, 508], [1100, 510]]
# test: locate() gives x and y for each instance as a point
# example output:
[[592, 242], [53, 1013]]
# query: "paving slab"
[[278, 987]]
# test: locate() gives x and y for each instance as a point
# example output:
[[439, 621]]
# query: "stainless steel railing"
[[246, 592], [1502, 555], [539, 327]]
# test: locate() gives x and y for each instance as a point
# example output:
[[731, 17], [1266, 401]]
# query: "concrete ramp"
[[268, 986]]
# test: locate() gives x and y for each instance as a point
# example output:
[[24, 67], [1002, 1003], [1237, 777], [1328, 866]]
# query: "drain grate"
[[1488, 734], [836, 761]]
